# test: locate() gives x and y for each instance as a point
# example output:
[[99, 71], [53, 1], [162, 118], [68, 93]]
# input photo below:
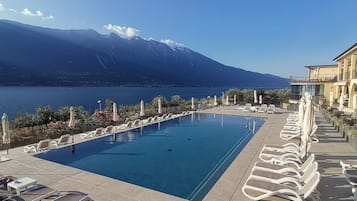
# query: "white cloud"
[[171, 43], [12, 10], [50, 17], [125, 32], [27, 12], [2, 7]]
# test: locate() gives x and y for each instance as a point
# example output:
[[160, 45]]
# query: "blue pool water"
[[182, 157]]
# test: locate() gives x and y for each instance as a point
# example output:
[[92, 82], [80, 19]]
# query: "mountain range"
[[31, 55]]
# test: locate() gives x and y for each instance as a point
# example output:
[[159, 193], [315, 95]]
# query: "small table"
[[20, 184]]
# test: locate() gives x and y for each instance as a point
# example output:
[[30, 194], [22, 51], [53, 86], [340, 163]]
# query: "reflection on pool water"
[[182, 157]]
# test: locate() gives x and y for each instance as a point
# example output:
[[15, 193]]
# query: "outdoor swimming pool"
[[182, 157]]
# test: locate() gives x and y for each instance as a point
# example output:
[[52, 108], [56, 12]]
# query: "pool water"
[[183, 157]]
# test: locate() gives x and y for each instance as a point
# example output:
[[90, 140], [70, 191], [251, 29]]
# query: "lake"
[[14, 100]]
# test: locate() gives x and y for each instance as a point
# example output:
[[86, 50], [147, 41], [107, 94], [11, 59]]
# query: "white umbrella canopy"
[[309, 119], [192, 103], [331, 98], [341, 102], [142, 109], [301, 111], [6, 138], [260, 99], [235, 99], [255, 96], [115, 112], [71, 117], [227, 100], [215, 101], [159, 109]]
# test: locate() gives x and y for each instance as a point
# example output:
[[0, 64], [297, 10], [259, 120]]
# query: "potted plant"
[[352, 138]]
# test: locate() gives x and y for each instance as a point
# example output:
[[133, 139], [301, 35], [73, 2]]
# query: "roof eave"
[[345, 52]]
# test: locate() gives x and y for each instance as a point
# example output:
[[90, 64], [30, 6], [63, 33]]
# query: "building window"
[[298, 90]]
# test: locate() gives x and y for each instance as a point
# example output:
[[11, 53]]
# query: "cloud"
[[2, 7], [12, 10], [27, 12], [50, 17], [171, 43], [125, 32]]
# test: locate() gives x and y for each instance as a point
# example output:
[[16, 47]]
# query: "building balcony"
[[313, 78]]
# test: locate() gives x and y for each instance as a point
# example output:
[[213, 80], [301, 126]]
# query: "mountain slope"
[[43, 56]]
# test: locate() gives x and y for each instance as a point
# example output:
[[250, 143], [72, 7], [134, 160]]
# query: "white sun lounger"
[[108, 130], [286, 168], [91, 134], [278, 157], [262, 190], [284, 178], [247, 107], [63, 140], [271, 109], [288, 135], [129, 124], [41, 146], [36, 193], [263, 108]]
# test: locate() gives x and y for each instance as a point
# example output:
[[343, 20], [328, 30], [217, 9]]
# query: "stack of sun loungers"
[[287, 172]]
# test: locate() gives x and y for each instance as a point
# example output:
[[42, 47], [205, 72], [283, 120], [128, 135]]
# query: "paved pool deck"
[[329, 151]]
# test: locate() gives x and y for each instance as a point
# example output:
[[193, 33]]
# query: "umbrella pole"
[[7, 150], [305, 151]]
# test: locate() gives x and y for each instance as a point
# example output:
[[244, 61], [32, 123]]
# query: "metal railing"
[[314, 78]]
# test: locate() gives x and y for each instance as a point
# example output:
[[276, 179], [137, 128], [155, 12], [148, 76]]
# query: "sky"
[[279, 37]]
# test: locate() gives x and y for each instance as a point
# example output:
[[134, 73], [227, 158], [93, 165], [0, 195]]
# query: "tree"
[[176, 100], [109, 105], [44, 115], [23, 120], [62, 114], [164, 102]]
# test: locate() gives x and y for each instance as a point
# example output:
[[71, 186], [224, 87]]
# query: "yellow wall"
[[324, 73], [327, 88]]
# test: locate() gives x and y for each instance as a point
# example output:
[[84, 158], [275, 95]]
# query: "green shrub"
[[352, 132]]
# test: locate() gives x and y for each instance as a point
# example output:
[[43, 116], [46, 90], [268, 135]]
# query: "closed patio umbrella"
[[71, 117], [227, 100], [159, 109], [331, 98], [215, 101], [301, 111], [222, 98], [6, 138], [341, 102], [142, 112], [308, 122], [115, 112], [192, 103], [255, 96], [301, 114], [235, 99], [260, 99]]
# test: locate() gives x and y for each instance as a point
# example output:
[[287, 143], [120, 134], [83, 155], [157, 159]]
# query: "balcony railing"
[[314, 78]]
